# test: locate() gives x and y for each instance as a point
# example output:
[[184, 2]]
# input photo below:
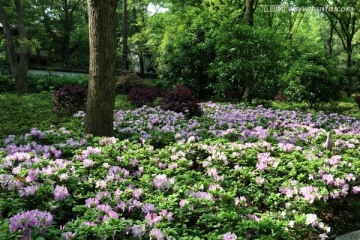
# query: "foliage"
[[280, 97], [187, 59], [39, 83], [7, 83], [248, 62], [71, 98], [128, 80], [181, 99], [18, 114], [144, 96], [357, 100], [313, 79]]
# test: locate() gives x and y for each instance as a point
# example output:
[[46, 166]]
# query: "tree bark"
[[18, 68], [125, 47], [101, 90], [330, 41], [250, 12], [66, 39]]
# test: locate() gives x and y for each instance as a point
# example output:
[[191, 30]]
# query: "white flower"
[[311, 219]]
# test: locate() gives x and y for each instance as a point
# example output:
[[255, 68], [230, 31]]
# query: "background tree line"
[[230, 50]]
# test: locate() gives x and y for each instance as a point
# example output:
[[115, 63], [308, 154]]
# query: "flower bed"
[[233, 173]]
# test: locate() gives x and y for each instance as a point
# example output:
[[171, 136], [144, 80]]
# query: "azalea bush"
[[71, 98], [233, 173]]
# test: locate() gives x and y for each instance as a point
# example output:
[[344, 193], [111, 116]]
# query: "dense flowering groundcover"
[[233, 173]]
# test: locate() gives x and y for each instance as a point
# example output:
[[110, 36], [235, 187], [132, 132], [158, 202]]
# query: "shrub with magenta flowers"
[[144, 96], [181, 99], [71, 97]]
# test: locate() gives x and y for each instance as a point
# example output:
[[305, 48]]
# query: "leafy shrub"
[[71, 97], [7, 83], [357, 100], [38, 83], [129, 80], [313, 79], [144, 96], [280, 97], [248, 63], [181, 99], [187, 59]]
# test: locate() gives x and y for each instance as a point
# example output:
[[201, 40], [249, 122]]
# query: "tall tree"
[[19, 67], [101, 90]]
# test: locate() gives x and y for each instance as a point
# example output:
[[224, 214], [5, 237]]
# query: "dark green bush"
[[357, 100], [38, 83], [181, 99], [187, 59], [313, 79], [7, 84], [71, 97], [248, 63]]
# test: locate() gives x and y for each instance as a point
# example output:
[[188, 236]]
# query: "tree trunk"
[[349, 56], [125, 36], [250, 12], [66, 38], [141, 64], [18, 68], [101, 90], [330, 41]]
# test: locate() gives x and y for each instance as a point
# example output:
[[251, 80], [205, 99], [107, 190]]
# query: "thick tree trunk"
[[18, 68], [101, 90], [125, 47]]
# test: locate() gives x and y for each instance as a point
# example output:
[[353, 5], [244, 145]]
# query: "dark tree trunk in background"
[[101, 90], [68, 25], [19, 68], [250, 12], [125, 48], [141, 64], [250, 22], [66, 39], [330, 41]]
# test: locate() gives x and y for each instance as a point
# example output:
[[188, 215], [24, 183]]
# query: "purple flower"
[[60, 193], [146, 208], [28, 191], [88, 163], [69, 235], [90, 224], [138, 231], [29, 219], [162, 182], [229, 236], [156, 234]]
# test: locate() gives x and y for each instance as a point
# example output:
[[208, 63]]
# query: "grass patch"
[[18, 114]]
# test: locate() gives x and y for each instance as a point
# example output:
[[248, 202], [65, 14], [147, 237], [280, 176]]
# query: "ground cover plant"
[[235, 172]]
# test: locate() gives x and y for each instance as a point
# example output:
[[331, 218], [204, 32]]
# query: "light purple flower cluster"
[[162, 182], [25, 221], [229, 236], [60, 193]]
